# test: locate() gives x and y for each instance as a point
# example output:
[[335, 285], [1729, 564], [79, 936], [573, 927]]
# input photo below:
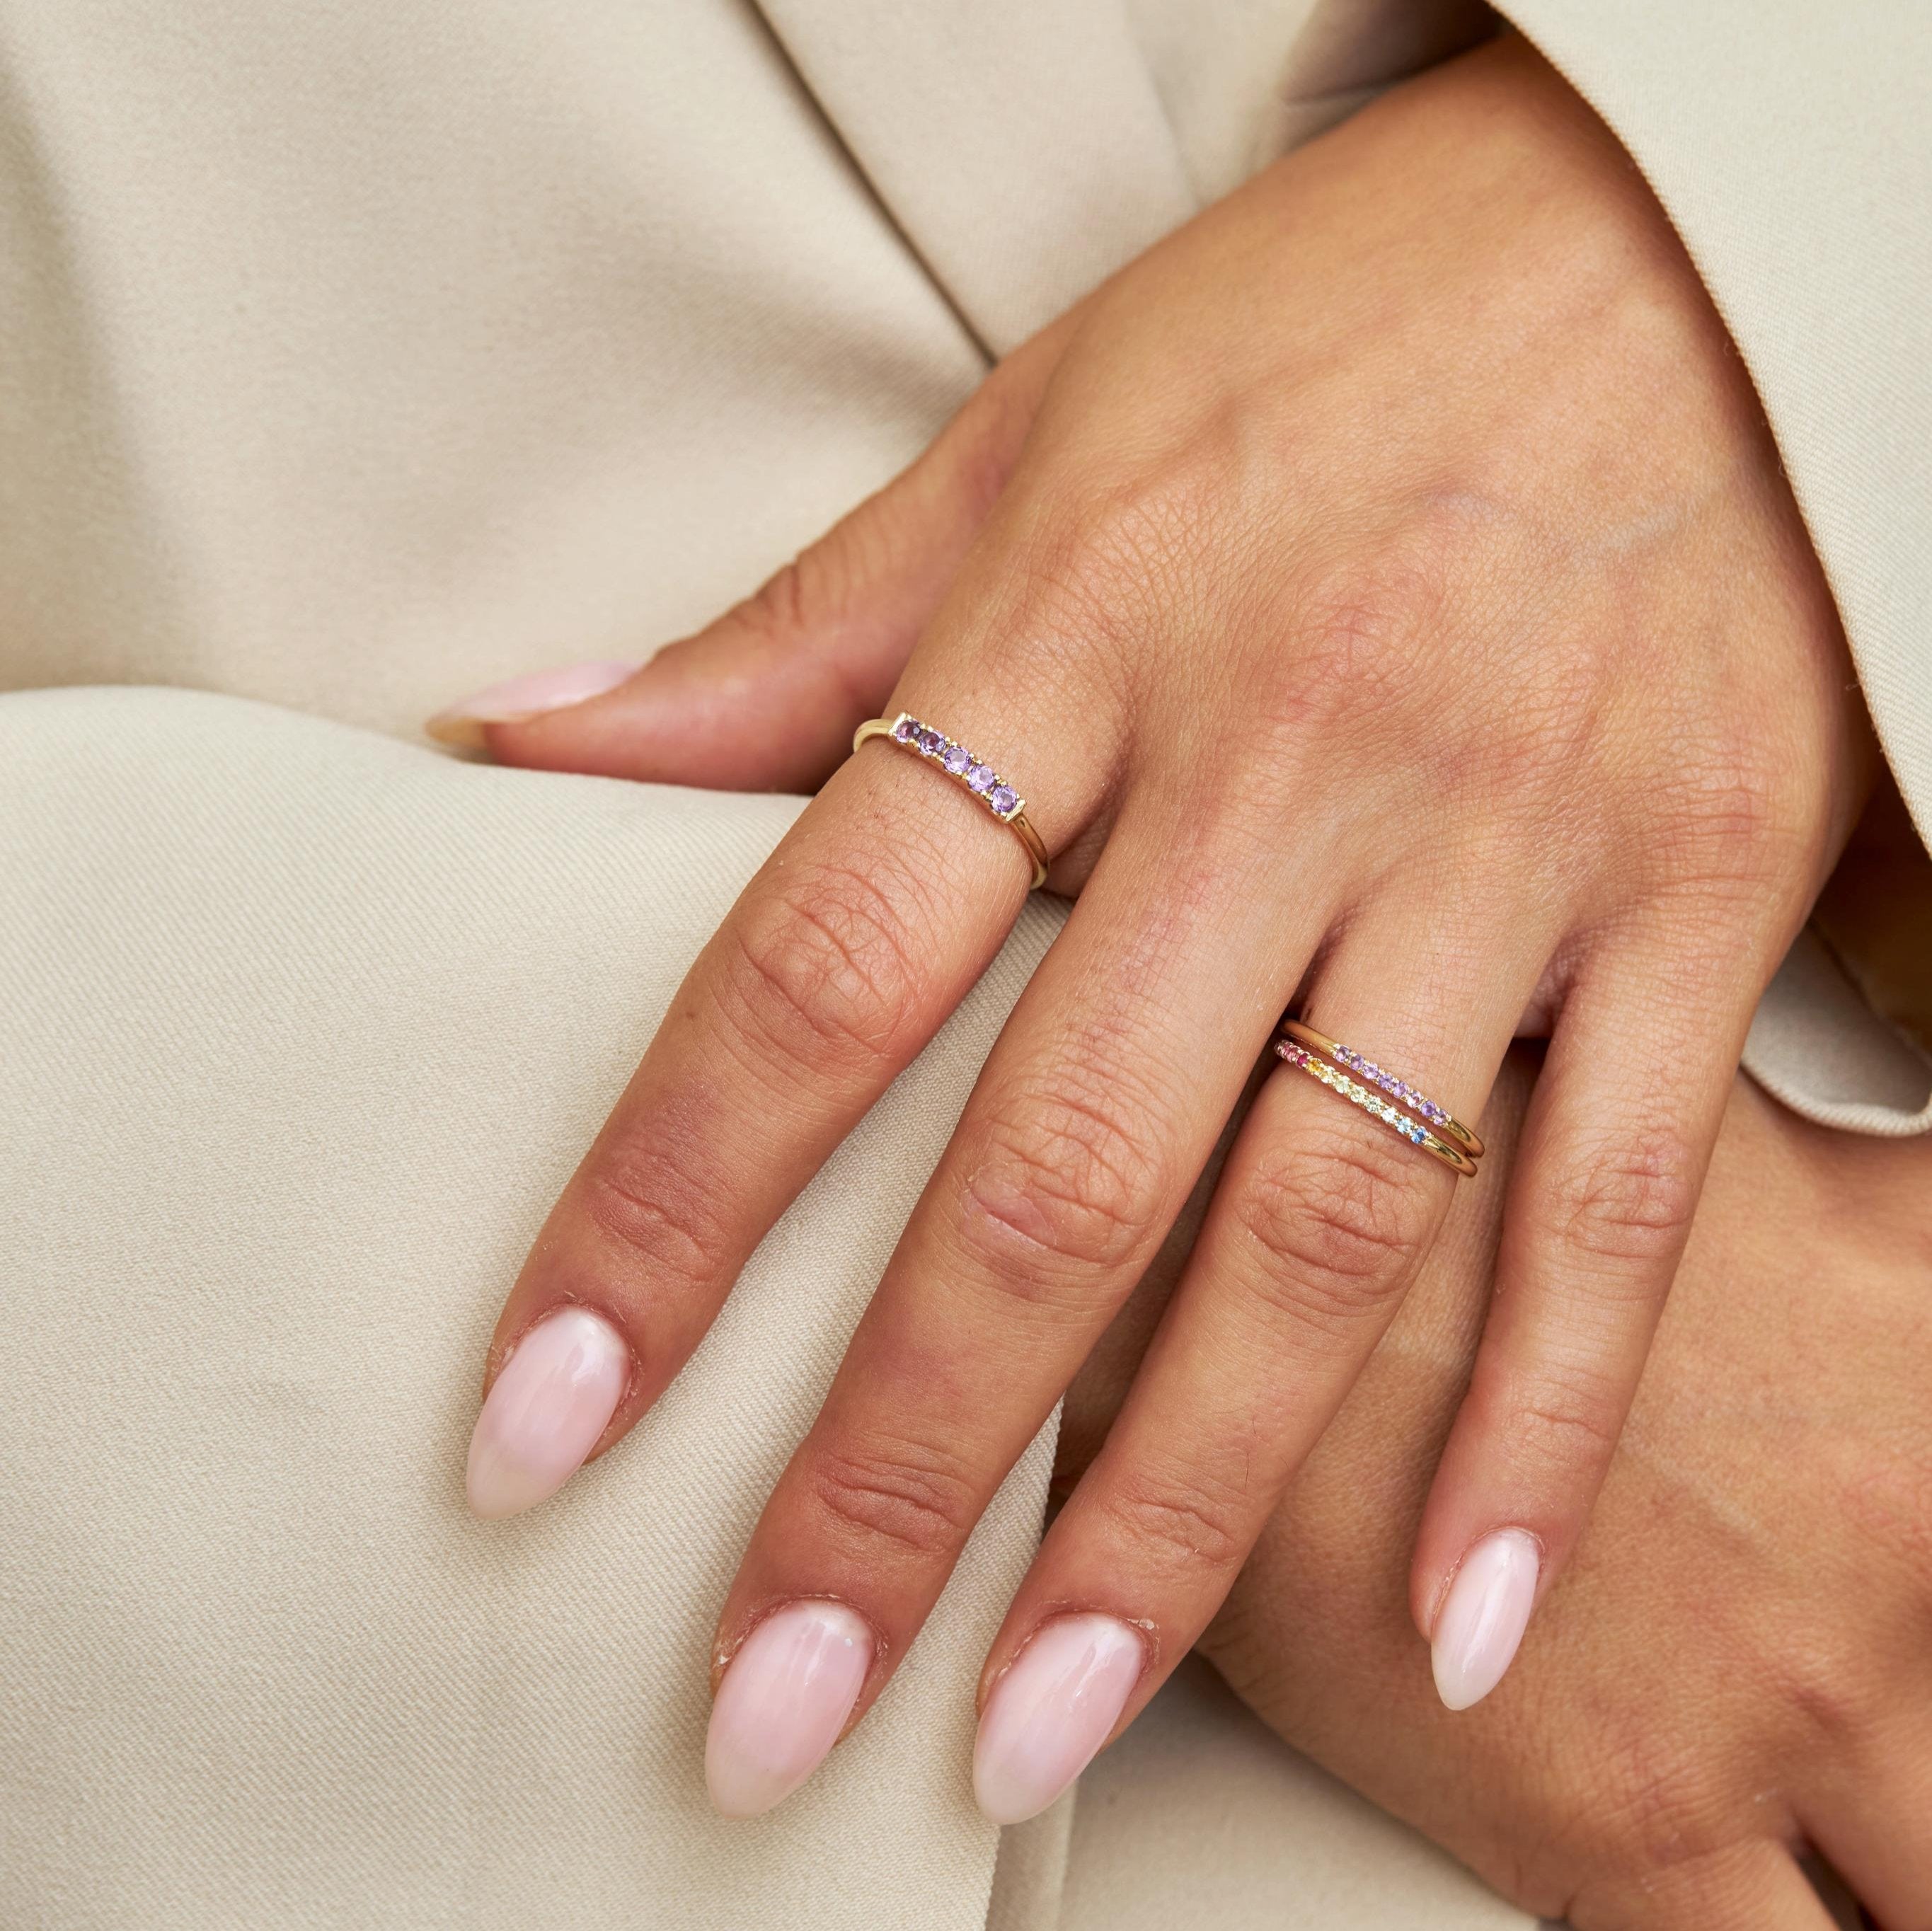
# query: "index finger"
[[845, 953]]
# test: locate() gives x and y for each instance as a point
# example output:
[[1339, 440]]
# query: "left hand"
[[1385, 590]]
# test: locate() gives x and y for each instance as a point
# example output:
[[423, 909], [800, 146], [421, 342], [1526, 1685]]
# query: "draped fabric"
[[355, 355]]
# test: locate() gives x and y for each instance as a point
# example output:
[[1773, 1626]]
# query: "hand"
[[1386, 587], [1741, 1668]]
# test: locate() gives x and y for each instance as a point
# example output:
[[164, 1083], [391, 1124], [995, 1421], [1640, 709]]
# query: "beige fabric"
[[303, 1028], [1202, 1818], [357, 354], [1790, 144]]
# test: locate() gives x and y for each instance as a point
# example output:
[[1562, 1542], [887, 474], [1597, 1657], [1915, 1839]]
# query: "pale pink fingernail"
[[545, 1411], [528, 696], [1483, 1620], [1049, 1714], [783, 1702]]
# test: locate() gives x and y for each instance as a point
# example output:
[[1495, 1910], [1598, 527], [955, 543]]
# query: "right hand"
[[1743, 1667]]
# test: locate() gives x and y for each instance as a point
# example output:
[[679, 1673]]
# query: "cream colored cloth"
[[355, 355], [303, 1028]]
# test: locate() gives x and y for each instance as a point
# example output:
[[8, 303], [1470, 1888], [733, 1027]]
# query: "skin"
[[1388, 594], [1742, 1667]]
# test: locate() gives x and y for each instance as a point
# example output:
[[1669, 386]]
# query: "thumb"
[[767, 697]]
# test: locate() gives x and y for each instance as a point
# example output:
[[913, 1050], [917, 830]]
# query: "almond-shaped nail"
[[783, 1702], [1482, 1621], [1048, 1717], [517, 698], [545, 1411]]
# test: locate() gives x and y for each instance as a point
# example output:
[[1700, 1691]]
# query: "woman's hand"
[[1739, 1665], [1385, 593]]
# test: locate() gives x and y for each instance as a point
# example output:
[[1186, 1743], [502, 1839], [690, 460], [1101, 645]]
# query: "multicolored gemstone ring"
[[966, 768], [1434, 1129]]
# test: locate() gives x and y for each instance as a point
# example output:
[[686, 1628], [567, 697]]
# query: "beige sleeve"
[[1791, 144]]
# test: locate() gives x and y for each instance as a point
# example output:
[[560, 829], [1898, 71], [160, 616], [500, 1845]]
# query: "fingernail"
[[520, 697], [782, 1703], [1484, 1619], [545, 1411], [1049, 1714]]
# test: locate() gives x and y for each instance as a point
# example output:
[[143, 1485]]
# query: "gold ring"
[[1325, 1060], [965, 768]]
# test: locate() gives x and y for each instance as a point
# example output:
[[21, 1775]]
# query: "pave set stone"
[[1415, 1101], [1296, 1054], [979, 777]]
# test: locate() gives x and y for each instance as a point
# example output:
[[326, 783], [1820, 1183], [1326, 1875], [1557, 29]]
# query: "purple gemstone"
[[906, 729], [957, 759], [980, 777], [929, 741], [1003, 798]]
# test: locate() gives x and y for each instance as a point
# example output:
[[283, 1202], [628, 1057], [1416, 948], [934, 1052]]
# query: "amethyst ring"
[[966, 768], [1343, 1070]]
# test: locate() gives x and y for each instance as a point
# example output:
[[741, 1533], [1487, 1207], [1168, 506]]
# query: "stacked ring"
[[1334, 1064], [965, 767]]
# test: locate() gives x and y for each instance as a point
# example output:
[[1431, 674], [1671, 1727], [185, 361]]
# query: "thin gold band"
[[1439, 1117], [968, 771], [1336, 1080]]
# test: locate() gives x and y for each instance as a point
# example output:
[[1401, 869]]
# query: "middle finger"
[[1082, 1139]]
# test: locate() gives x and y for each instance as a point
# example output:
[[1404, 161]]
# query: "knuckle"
[[1539, 748], [1364, 629], [644, 1196], [1729, 810], [912, 1497], [825, 967], [813, 590], [1631, 1202], [1566, 1421], [1887, 1490], [1063, 1187], [1144, 522], [1337, 1221], [1832, 1700], [1651, 1800], [1107, 560], [1180, 1520], [1831, 1686]]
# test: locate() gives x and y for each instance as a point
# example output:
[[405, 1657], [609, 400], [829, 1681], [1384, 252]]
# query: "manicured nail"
[[1049, 1714], [783, 1702], [521, 698], [1482, 1622], [545, 1411]]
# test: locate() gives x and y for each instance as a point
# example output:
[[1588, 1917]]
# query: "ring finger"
[[1323, 1213]]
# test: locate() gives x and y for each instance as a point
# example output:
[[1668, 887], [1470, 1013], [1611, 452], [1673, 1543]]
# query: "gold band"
[[1336, 1080], [1439, 1117], [1334, 1065], [968, 770]]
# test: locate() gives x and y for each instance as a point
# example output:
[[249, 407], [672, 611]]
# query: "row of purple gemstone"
[[1296, 1054], [1389, 1083], [1002, 800]]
